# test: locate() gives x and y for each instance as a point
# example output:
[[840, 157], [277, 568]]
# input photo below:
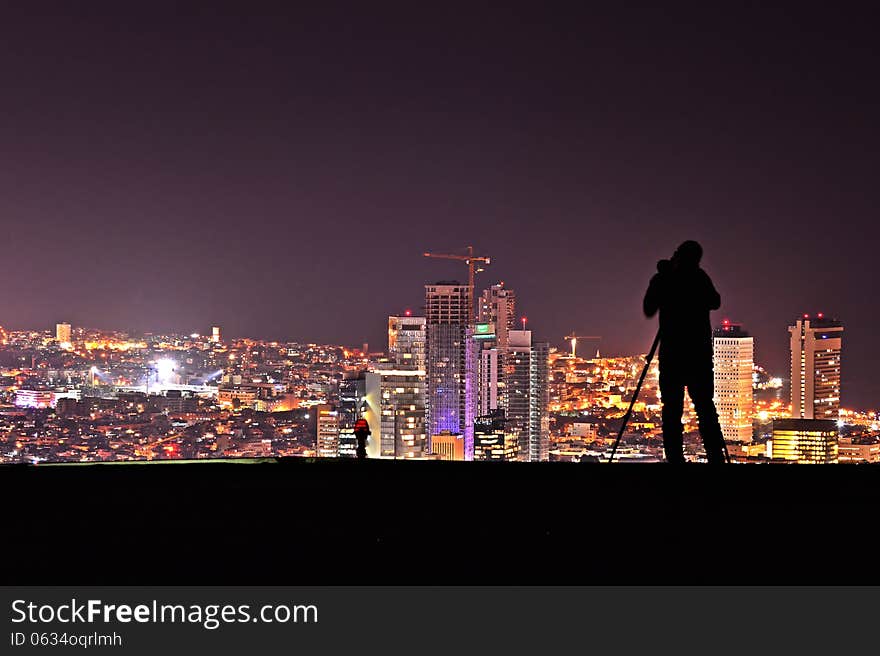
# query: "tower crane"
[[470, 259], [573, 339]]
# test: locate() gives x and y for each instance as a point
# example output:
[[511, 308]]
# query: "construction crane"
[[470, 259], [573, 339]]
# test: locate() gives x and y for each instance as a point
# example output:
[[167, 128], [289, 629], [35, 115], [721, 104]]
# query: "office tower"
[[815, 367], [327, 442], [539, 402], [351, 398], [406, 341], [351, 404], [497, 306], [492, 441], [62, 333], [733, 361], [805, 441], [515, 379], [347, 447], [396, 412], [490, 380], [449, 388], [448, 446], [215, 334]]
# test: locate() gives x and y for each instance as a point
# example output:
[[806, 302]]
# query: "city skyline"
[[103, 395], [383, 346], [277, 172]]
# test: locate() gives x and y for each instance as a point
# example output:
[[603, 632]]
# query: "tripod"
[[635, 395]]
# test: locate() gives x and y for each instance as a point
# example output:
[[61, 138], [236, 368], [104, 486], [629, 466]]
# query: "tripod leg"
[[625, 421]]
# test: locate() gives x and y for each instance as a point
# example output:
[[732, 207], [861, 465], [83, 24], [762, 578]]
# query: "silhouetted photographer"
[[684, 295]]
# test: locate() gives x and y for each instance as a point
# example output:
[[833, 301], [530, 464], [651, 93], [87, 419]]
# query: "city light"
[[165, 370]]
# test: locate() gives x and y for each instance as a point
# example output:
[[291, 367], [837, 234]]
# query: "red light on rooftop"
[[820, 315], [806, 316], [524, 320], [408, 313]]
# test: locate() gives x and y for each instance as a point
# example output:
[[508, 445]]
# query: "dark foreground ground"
[[303, 522]]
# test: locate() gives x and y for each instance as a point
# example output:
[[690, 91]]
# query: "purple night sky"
[[279, 171]]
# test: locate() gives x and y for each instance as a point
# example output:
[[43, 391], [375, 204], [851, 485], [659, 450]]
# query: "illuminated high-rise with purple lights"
[[449, 387]]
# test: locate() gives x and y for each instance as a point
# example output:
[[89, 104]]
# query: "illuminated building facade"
[[733, 360], [29, 398], [491, 439], [406, 341], [347, 447], [515, 380], [448, 446], [327, 441], [215, 334], [856, 450], [63, 333], [351, 402], [815, 367], [497, 306], [396, 398], [805, 441], [447, 318], [539, 402]]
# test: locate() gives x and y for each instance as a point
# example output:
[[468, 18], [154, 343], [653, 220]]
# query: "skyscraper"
[[514, 380], [449, 389], [351, 403], [539, 402], [327, 442], [396, 400], [497, 306], [406, 341], [815, 367], [733, 360], [62, 333], [399, 387], [215, 334]]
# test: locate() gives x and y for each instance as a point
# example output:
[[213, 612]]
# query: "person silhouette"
[[684, 295], [361, 433]]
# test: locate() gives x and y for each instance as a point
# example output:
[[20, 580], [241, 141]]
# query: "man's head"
[[688, 255]]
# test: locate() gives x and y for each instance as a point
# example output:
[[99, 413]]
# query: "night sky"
[[280, 171]]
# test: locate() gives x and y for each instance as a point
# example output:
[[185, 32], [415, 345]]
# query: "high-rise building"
[[215, 334], [327, 442], [351, 398], [492, 441], [396, 401], [351, 405], [539, 402], [815, 367], [515, 379], [406, 341], [62, 333], [450, 389], [805, 441], [497, 306], [733, 360]]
